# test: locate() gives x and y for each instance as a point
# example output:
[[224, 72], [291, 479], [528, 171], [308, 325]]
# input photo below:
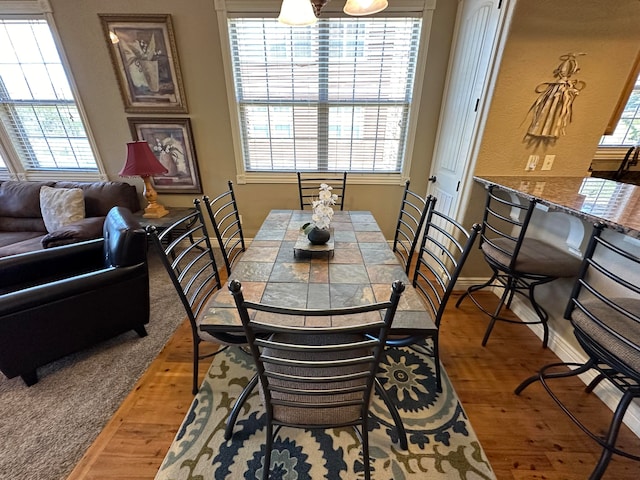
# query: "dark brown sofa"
[[60, 300], [22, 228]]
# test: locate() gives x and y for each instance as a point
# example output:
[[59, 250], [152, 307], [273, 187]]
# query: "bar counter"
[[615, 204]]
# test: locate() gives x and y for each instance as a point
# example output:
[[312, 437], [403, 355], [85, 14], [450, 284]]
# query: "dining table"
[[281, 268]]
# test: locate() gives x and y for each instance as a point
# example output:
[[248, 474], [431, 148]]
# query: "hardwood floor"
[[525, 437]]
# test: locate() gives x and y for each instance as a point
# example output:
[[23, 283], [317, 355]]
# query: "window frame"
[[608, 157], [226, 9], [15, 169]]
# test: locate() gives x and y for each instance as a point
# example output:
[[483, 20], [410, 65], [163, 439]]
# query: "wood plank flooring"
[[525, 437]]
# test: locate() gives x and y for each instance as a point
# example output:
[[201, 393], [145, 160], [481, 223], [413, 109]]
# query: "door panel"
[[477, 31]]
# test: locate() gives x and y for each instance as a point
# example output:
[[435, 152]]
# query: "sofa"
[[40, 215], [57, 301]]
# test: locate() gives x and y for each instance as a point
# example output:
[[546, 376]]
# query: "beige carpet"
[[45, 429]]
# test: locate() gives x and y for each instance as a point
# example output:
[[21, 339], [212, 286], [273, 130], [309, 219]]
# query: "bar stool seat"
[[615, 321], [534, 258]]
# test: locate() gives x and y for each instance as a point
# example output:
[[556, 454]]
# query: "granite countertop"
[[593, 199]]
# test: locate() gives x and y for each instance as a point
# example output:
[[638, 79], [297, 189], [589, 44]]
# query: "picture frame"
[[171, 141], [144, 56]]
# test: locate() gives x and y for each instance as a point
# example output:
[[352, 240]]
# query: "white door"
[[477, 29]]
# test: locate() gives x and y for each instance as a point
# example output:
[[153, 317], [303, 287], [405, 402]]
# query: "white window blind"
[[37, 108], [333, 96]]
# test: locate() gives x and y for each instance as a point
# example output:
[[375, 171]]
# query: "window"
[[333, 96], [42, 127], [627, 130]]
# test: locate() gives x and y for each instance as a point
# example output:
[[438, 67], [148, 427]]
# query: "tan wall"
[[196, 29], [542, 31]]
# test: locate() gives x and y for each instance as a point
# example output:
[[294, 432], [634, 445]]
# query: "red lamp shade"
[[141, 161]]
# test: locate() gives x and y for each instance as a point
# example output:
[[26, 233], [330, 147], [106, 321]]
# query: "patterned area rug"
[[442, 444]]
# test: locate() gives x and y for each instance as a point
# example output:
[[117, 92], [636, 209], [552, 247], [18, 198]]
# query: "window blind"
[[37, 108], [333, 96]]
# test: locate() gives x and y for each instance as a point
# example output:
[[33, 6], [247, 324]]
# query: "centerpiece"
[[317, 230]]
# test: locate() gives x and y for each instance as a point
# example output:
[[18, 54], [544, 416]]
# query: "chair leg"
[[365, 448], [235, 411], [475, 288], [594, 383], [267, 453], [612, 435], [141, 331], [507, 291], [402, 434], [542, 375], [542, 315], [196, 358], [436, 361], [29, 378]]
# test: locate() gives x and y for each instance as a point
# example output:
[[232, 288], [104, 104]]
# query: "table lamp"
[[141, 162]]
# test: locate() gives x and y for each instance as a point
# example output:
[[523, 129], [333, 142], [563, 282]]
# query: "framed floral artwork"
[[171, 141], [144, 55]]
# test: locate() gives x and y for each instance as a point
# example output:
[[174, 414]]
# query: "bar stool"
[[604, 310], [519, 263]]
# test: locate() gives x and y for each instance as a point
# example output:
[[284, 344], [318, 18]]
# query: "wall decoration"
[[144, 55], [553, 109], [171, 141]]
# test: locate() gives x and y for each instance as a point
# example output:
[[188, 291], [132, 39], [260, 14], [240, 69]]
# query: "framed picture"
[[144, 55], [171, 141]]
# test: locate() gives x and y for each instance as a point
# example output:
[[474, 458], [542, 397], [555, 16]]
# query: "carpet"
[[442, 443], [45, 429]]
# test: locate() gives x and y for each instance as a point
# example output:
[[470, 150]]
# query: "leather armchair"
[[61, 300]]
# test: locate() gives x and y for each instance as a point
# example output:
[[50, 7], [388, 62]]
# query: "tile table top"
[[360, 271]]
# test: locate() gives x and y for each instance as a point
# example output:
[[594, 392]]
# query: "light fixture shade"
[[297, 13], [364, 7], [141, 162]]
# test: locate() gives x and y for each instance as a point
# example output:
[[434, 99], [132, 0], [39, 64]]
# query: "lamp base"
[[155, 210]]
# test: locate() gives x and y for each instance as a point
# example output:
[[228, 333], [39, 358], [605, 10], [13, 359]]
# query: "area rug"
[[45, 429], [442, 443]]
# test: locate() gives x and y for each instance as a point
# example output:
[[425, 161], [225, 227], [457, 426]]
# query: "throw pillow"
[[61, 206]]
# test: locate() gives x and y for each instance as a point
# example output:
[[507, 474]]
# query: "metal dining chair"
[[188, 257], [309, 183], [316, 377], [519, 263], [413, 210], [604, 310], [443, 251], [225, 218]]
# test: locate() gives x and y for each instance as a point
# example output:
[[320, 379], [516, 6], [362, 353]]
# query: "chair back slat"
[[505, 224], [413, 211], [443, 251], [309, 183], [321, 376], [188, 257], [225, 219]]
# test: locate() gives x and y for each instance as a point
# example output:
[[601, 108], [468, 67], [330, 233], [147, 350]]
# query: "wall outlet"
[[548, 162], [532, 163]]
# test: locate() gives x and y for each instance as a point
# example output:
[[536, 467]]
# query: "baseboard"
[[609, 394]]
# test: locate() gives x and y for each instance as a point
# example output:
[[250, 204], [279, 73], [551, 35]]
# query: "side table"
[[175, 214]]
